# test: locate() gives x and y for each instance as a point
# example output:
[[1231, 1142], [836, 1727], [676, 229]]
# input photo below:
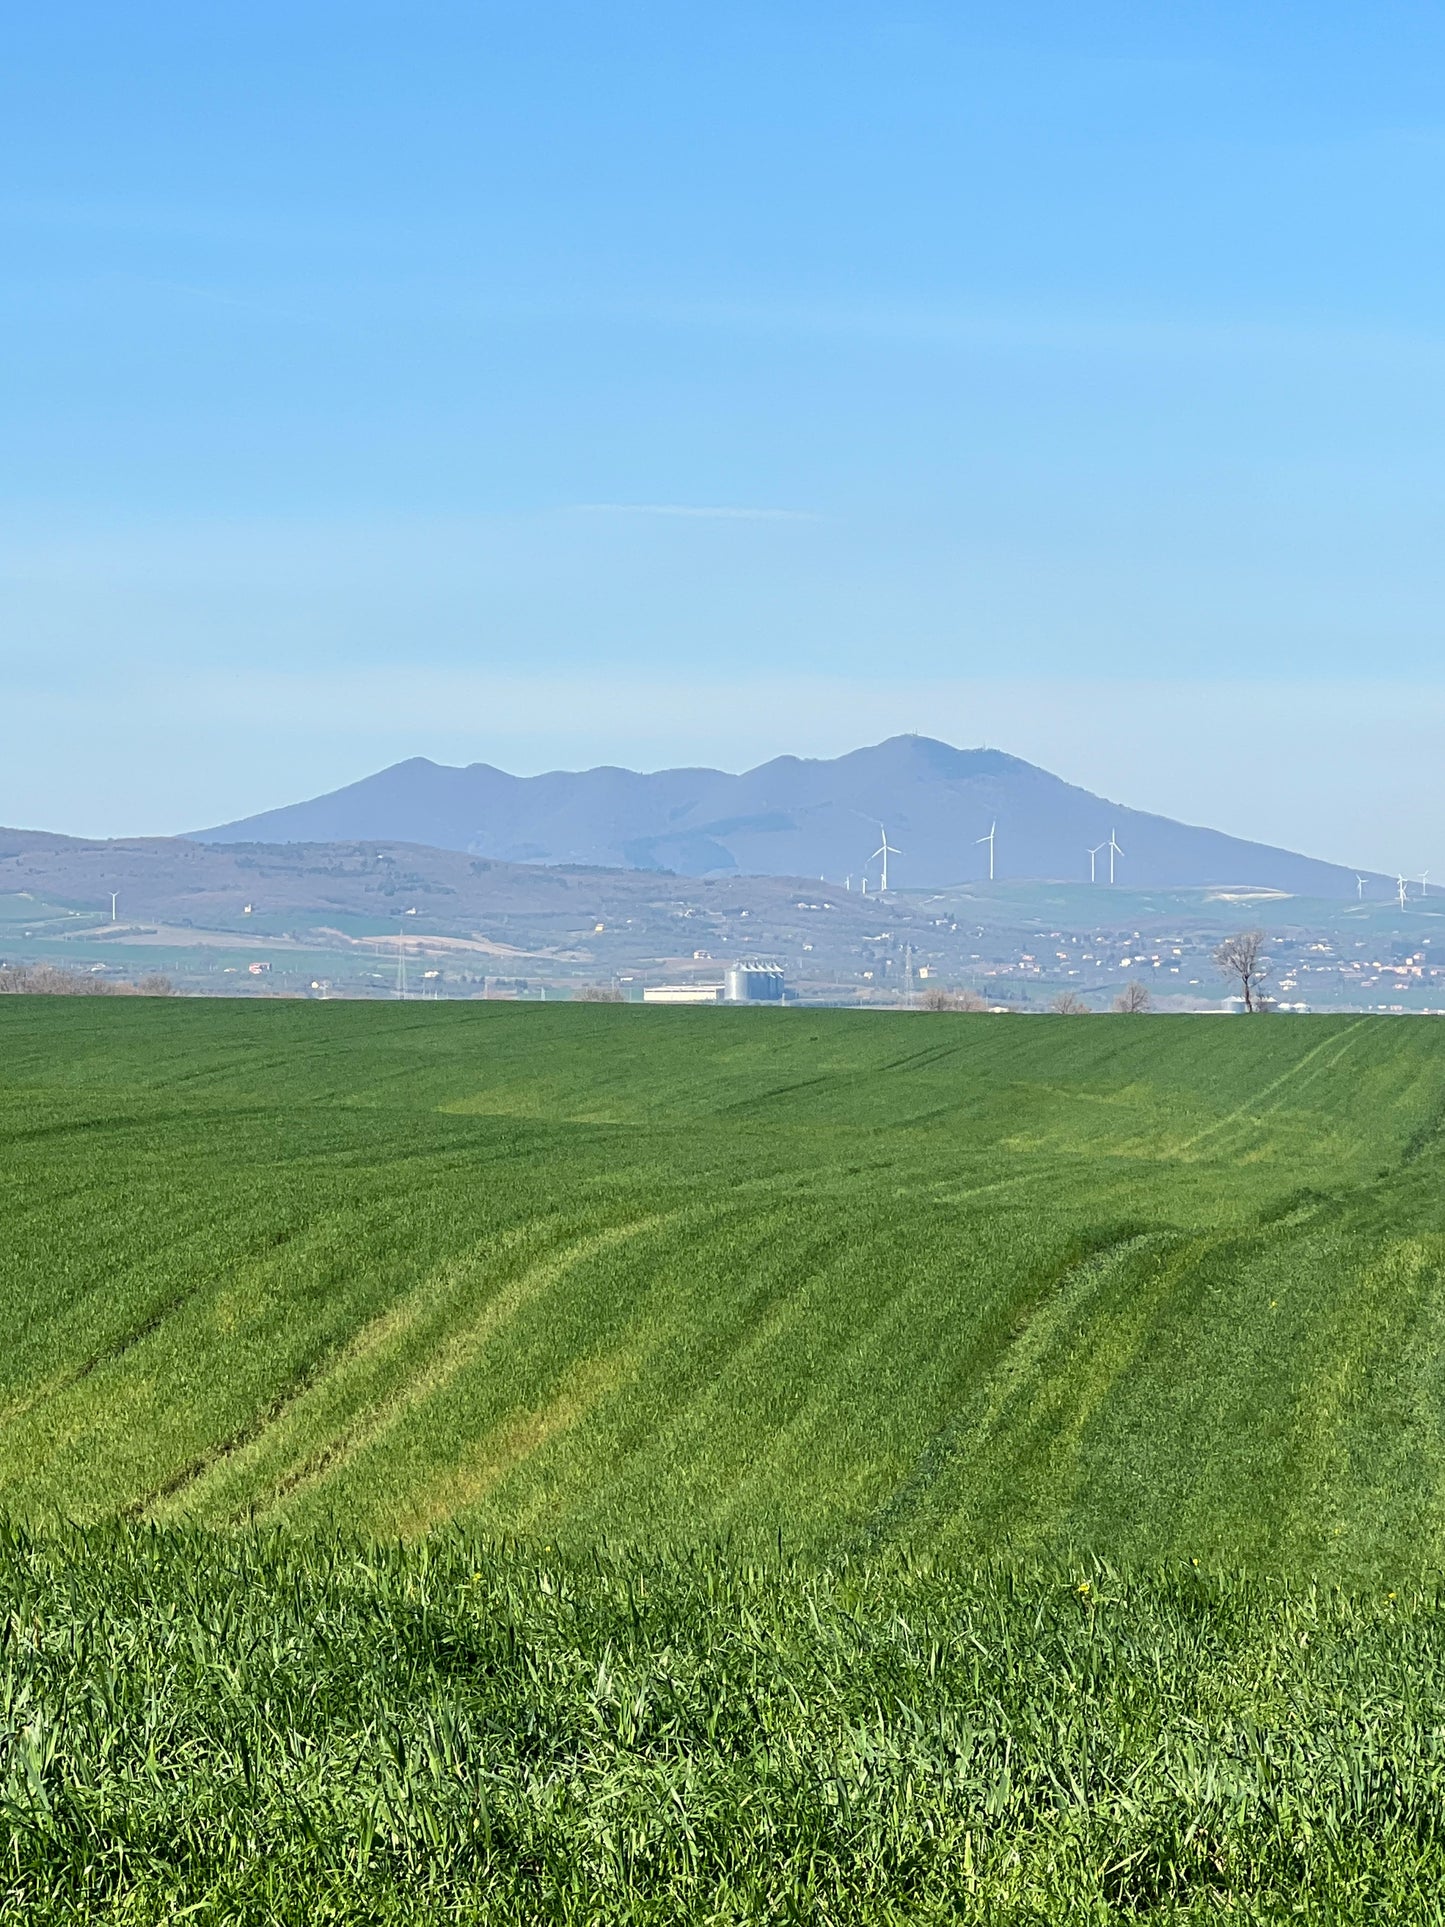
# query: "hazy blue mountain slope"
[[789, 817]]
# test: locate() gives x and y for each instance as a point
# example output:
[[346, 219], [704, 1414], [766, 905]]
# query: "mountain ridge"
[[791, 816]]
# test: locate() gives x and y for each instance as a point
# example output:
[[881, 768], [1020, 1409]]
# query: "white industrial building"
[[752, 980]]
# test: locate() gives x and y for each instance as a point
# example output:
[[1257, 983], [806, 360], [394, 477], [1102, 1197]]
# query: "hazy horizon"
[[634, 385]]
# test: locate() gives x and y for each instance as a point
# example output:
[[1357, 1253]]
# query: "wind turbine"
[[1400, 887], [884, 849], [1114, 851], [1424, 879], [992, 828], [1093, 853], [1360, 883]]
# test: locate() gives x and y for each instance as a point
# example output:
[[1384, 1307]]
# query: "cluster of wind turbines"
[[881, 854], [886, 849], [1402, 888], [1114, 849], [1112, 846]]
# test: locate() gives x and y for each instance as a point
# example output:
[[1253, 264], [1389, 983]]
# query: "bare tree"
[[1069, 1003], [940, 999], [1242, 957], [1133, 999]]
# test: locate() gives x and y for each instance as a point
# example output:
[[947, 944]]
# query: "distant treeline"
[[50, 980]]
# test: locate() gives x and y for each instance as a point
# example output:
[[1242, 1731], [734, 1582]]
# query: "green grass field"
[[1152, 1288], [598, 1464]]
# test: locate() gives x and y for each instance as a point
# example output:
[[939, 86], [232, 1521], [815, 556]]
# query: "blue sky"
[[557, 384]]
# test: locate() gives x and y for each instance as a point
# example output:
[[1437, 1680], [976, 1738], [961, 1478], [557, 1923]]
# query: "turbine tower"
[[884, 849], [992, 828], [1424, 880], [1093, 854], [1114, 851]]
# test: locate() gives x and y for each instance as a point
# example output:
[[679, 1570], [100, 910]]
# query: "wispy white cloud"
[[700, 511]]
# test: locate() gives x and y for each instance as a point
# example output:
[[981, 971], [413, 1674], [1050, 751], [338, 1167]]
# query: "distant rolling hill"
[[790, 817]]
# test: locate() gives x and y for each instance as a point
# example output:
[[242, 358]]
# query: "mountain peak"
[[793, 816]]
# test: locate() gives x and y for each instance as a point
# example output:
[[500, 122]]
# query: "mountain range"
[[793, 817]]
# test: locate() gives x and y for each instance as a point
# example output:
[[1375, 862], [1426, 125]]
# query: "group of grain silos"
[[753, 980]]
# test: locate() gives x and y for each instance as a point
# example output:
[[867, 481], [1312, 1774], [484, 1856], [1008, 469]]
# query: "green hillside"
[[1151, 1287]]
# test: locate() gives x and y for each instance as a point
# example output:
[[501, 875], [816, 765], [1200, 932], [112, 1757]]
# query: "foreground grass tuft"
[[258, 1729]]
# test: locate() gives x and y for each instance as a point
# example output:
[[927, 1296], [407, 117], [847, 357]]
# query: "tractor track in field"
[[80, 1127], [997, 1383], [311, 1377], [448, 1359], [65, 1381], [1425, 1135], [453, 1357], [1257, 1106], [910, 1061], [196, 1468]]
